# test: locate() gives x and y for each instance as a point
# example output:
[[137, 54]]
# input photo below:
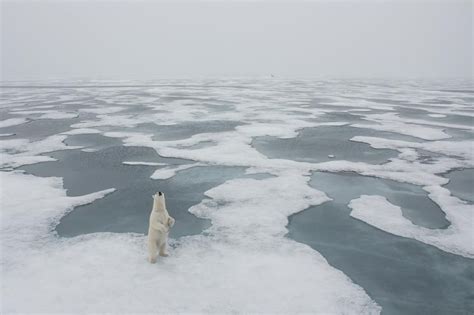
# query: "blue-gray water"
[[461, 184]]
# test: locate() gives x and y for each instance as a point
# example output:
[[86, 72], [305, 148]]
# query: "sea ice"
[[81, 131], [144, 163], [18, 152], [457, 238], [12, 122], [168, 172]]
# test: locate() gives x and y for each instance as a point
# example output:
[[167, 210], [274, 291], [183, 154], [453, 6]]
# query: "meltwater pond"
[[317, 144], [461, 184], [128, 208], [402, 275], [188, 129], [413, 200], [92, 142], [39, 129]]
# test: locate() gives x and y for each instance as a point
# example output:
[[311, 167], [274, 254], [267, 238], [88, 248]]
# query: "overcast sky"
[[146, 40]]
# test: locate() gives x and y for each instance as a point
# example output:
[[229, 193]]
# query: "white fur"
[[160, 223]]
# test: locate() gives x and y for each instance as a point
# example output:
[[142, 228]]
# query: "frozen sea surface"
[[290, 196]]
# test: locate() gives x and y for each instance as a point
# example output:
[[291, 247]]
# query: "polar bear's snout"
[[158, 194], [159, 203]]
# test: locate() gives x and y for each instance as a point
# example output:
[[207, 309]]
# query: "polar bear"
[[160, 223]]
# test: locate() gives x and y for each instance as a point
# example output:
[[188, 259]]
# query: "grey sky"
[[146, 40]]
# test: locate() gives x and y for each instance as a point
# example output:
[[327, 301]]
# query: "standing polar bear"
[[160, 223]]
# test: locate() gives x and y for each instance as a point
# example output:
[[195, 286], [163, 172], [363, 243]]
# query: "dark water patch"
[[342, 116], [39, 129], [199, 145], [259, 176], [85, 116], [455, 119], [128, 208], [458, 91], [219, 107], [459, 134], [438, 101], [461, 184], [297, 112], [318, 101], [413, 200], [412, 112], [211, 102], [186, 130], [92, 141], [132, 109], [342, 108], [87, 172], [467, 99], [87, 101], [384, 101], [315, 144], [5, 114], [424, 115]]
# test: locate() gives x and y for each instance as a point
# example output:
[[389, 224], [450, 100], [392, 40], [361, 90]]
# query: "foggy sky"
[[145, 40]]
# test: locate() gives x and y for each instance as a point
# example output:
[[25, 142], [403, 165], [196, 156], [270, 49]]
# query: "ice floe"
[[103, 110], [144, 163], [12, 122], [457, 238], [81, 131], [58, 115], [47, 114], [18, 152], [29, 215], [391, 122], [170, 171], [463, 149]]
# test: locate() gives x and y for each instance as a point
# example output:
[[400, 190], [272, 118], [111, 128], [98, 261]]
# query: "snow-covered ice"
[[170, 171], [81, 131], [377, 211], [12, 122], [143, 163]]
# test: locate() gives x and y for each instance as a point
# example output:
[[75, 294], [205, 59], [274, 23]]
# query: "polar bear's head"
[[159, 203]]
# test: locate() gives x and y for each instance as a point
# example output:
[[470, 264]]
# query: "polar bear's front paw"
[[152, 260]]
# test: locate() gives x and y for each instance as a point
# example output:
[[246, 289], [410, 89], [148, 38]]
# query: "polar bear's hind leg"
[[152, 251], [163, 252]]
